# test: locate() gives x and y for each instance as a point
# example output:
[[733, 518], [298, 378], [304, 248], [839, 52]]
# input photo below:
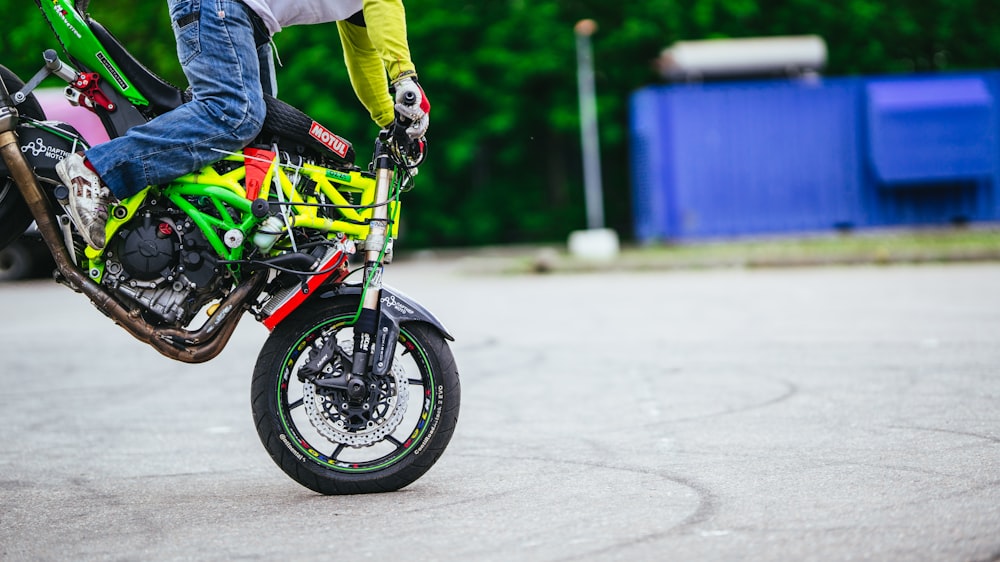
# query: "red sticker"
[[258, 163]]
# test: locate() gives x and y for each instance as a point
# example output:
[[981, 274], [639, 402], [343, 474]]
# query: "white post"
[[597, 242], [588, 124]]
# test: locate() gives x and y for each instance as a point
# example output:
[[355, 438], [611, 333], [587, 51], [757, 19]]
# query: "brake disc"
[[329, 413]]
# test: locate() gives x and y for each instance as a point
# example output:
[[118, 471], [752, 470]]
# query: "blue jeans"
[[215, 45]]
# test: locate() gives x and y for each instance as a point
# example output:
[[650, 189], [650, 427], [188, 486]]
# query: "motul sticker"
[[332, 141]]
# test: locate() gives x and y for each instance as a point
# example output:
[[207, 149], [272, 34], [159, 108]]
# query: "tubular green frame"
[[225, 192]]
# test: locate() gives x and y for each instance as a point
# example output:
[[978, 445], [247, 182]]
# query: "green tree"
[[504, 163]]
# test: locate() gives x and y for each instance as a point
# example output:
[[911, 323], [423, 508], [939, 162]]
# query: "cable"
[[330, 205], [283, 269], [381, 256]]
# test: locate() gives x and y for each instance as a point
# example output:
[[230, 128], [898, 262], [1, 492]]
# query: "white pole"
[[588, 125]]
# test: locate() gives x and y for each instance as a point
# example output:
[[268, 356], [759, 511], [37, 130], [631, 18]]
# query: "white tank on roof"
[[758, 56]]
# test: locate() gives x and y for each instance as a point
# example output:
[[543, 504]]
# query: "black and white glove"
[[412, 105]]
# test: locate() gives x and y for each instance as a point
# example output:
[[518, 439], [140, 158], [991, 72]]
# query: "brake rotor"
[[359, 425]]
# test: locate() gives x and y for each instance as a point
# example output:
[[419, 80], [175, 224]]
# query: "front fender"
[[396, 306], [395, 310]]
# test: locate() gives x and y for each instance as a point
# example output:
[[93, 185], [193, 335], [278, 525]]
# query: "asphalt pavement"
[[728, 414]]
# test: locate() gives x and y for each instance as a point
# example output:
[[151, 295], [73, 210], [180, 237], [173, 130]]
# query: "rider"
[[224, 50]]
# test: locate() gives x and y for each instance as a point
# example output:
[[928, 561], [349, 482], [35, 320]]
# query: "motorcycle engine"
[[164, 263]]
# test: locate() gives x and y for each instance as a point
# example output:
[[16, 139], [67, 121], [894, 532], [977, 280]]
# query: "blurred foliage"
[[504, 163]]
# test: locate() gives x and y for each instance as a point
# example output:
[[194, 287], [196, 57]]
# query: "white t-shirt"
[[283, 13]]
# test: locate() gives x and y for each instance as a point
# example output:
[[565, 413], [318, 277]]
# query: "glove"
[[412, 104]]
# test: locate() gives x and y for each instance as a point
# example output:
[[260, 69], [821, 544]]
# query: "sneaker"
[[88, 198]]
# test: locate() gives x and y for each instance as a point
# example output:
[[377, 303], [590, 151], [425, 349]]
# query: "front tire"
[[332, 447]]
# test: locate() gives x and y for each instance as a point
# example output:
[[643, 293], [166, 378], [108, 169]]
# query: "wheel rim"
[[7, 189], [316, 427]]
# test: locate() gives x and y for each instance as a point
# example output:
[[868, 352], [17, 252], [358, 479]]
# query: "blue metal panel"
[[931, 129], [652, 184], [930, 204], [779, 156], [751, 157]]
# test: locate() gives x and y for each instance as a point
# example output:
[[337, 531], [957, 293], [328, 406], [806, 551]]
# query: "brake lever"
[[411, 151]]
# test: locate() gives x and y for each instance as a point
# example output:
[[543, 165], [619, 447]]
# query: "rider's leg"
[[215, 44]]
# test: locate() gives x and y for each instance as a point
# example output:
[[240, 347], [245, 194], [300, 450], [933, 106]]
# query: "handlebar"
[[401, 123], [399, 136]]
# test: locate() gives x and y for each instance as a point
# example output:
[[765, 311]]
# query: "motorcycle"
[[355, 389]]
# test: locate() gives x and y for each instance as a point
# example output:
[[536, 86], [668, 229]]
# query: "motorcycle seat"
[[162, 95], [284, 121]]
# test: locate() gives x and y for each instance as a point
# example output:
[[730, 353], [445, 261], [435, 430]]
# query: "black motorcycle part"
[[145, 253], [15, 262], [14, 214], [396, 305], [385, 344], [199, 261], [396, 309], [44, 148], [333, 445], [124, 117], [162, 95]]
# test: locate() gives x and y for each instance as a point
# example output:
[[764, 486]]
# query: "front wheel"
[[334, 445]]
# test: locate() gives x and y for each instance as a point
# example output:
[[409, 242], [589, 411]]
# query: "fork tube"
[[364, 330]]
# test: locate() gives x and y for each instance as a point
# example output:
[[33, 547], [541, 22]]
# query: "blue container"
[[731, 159]]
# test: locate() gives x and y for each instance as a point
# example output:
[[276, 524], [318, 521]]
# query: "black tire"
[[16, 262], [310, 447], [14, 214]]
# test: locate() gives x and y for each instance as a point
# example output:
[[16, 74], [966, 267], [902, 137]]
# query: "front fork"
[[374, 251]]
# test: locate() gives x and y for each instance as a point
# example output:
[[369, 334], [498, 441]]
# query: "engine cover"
[[149, 251], [163, 262]]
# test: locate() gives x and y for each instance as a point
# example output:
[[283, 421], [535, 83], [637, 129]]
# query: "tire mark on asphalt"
[[975, 488], [995, 557], [951, 431], [891, 468], [789, 391], [466, 501], [707, 500], [978, 488]]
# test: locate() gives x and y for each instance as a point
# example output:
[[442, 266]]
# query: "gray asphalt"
[[799, 414]]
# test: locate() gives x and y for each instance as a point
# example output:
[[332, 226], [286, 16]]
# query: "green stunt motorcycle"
[[355, 389]]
